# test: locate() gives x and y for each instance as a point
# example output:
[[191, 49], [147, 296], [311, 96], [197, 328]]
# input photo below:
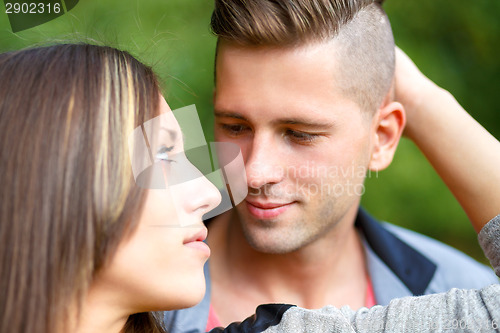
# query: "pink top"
[[213, 321], [370, 294]]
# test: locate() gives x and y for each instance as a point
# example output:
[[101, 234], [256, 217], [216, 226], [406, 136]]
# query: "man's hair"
[[360, 29]]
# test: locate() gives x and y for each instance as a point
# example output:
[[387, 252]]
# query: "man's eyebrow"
[[228, 114], [303, 122], [327, 124]]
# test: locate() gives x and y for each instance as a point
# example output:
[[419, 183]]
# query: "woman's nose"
[[202, 196]]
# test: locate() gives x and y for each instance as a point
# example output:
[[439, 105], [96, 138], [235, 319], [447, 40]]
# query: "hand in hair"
[[463, 153], [411, 89]]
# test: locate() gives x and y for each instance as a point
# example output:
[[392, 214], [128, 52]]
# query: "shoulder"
[[454, 268]]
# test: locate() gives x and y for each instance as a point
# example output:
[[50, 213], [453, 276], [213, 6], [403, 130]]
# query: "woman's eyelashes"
[[163, 153]]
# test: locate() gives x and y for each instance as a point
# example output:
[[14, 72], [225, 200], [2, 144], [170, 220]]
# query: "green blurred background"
[[454, 42]]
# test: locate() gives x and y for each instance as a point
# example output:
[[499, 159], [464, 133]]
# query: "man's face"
[[306, 147]]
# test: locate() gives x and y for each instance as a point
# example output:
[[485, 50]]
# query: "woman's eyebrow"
[[172, 133]]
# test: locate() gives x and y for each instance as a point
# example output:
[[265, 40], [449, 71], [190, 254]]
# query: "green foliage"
[[454, 42]]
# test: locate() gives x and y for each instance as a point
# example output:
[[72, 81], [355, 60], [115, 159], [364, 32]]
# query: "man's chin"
[[267, 236]]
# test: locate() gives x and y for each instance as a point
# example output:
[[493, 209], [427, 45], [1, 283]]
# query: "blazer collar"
[[410, 266]]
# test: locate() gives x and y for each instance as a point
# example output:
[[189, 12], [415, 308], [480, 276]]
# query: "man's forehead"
[[291, 69], [311, 47], [312, 75]]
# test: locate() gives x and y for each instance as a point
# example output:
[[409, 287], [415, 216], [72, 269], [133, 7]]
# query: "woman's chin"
[[184, 298], [192, 298]]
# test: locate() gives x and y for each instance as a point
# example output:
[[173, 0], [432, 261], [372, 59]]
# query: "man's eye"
[[301, 137], [234, 129], [163, 152]]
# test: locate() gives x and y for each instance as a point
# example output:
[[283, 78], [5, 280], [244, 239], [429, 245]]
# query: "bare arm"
[[462, 152]]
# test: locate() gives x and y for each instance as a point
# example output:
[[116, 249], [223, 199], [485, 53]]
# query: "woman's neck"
[[101, 314]]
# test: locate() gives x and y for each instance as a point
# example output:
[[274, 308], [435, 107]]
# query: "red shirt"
[[213, 321]]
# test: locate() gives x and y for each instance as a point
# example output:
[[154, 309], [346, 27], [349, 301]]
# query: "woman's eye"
[[301, 137], [234, 129], [163, 153]]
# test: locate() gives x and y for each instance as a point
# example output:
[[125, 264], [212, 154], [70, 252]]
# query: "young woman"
[[81, 246]]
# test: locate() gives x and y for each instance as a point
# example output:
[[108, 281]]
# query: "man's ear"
[[388, 127]]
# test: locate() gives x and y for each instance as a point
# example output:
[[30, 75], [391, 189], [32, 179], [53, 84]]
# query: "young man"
[[305, 88]]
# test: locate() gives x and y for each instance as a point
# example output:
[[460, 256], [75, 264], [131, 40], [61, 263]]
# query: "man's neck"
[[331, 270]]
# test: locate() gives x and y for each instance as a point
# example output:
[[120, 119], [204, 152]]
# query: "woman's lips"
[[200, 246], [195, 241], [267, 210]]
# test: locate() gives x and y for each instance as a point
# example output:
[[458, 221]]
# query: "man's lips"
[[267, 210]]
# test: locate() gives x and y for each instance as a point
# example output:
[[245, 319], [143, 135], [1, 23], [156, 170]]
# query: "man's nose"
[[264, 164]]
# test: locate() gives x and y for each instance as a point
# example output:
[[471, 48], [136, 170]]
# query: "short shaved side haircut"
[[359, 29]]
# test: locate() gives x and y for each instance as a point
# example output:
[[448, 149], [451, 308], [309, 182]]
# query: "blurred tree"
[[454, 42]]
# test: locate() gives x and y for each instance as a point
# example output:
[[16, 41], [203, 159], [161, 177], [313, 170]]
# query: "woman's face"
[[160, 266]]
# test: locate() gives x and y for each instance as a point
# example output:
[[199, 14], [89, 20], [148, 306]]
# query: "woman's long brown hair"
[[67, 194]]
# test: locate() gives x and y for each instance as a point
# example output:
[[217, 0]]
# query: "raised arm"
[[462, 152], [457, 310]]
